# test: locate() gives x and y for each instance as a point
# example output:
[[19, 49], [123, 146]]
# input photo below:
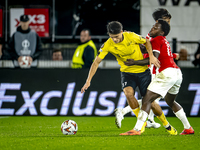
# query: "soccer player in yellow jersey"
[[125, 45], [125, 49]]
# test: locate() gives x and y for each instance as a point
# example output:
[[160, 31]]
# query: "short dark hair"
[[165, 27], [160, 13], [86, 29], [57, 50], [114, 27]]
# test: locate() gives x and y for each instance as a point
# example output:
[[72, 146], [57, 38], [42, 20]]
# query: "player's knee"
[[128, 92], [129, 95], [147, 99], [169, 102]]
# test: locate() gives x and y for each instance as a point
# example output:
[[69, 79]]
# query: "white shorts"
[[167, 81]]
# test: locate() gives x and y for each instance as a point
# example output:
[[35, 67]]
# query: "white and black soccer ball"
[[69, 127]]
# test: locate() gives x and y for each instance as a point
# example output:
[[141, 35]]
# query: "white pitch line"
[[4, 117]]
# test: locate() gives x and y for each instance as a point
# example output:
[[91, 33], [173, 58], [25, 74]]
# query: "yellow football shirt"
[[127, 49]]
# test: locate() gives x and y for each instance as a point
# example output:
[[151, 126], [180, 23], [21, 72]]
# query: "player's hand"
[[198, 56], [129, 62], [177, 56], [20, 59], [85, 87], [30, 60], [153, 60]]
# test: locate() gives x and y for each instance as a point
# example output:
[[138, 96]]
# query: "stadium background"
[[54, 89]]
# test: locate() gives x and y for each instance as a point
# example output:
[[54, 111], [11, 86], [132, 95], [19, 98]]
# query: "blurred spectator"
[[25, 45], [57, 55], [0, 50], [183, 55], [85, 53], [196, 62]]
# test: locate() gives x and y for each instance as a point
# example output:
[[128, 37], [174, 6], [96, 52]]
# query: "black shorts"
[[140, 80]]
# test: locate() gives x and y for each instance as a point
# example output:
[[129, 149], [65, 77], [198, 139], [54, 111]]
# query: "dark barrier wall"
[[57, 92]]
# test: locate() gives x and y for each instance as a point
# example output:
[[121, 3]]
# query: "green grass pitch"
[[39, 133]]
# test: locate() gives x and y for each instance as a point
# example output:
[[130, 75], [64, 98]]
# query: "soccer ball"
[[25, 62], [69, 127]]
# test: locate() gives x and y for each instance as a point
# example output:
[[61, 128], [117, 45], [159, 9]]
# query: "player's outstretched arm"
[[91, 73], [130, 62], [152, 58]]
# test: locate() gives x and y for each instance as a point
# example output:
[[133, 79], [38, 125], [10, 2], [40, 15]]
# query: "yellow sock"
[[163, 119], [136, 111]]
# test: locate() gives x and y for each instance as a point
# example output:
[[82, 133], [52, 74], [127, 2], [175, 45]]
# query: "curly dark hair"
[[165, 27]]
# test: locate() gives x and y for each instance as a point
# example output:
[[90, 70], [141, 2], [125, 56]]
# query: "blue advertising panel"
[[52, 92]]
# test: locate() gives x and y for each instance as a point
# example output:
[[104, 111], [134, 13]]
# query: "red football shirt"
[[146, 55], [162, 46]]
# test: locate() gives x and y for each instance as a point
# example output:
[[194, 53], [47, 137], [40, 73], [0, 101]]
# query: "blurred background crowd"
[[59, 24]]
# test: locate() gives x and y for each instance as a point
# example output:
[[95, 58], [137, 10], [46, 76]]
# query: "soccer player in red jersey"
[[159, 13], [166, 83]]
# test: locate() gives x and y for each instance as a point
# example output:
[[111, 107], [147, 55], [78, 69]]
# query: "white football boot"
[[118, 117], [152, 124]]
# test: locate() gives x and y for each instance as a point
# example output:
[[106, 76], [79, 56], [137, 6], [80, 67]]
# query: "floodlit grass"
[[39, 133]]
